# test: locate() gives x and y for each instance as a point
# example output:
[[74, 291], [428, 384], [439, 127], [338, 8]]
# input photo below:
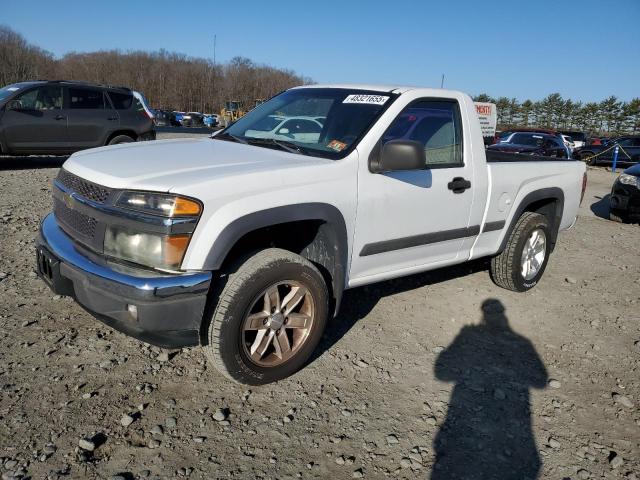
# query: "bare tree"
[[168, 80]]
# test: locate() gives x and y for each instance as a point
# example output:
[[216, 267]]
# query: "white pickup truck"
[[244, 242]]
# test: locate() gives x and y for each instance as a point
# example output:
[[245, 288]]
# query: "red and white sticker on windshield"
[[367, 99]]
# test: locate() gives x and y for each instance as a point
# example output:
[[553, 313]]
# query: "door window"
[[435, 124], [42, 98], [86, 98]]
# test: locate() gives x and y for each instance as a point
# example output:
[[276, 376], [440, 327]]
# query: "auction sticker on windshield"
[[368, 99], [337, 145]]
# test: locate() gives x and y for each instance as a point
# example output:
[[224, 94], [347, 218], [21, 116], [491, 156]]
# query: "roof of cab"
[[356, 86], [375, 88]]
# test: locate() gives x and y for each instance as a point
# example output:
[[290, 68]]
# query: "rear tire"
[[507, 268], [118, 139], [234, 328]]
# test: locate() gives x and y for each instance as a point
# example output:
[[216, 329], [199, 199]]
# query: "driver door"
[[416, 218], [37, 121]]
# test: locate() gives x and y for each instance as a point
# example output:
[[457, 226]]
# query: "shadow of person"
[[601, 207], [487, 433]]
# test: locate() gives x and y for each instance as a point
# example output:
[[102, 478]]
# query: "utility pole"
[[442, 81], [213, 77]]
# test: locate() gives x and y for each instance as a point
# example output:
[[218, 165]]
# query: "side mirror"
[[400, 155], [14, 105], [283, 131]]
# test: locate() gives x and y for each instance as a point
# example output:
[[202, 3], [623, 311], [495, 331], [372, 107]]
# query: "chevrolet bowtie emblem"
[[68, 200]]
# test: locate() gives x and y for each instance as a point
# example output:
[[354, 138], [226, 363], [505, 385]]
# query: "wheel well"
[[546, 207], [311, 239], [549, 208], [548, 202], [128, 133]]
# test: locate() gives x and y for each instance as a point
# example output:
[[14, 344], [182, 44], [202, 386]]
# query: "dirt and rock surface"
[[438, 375]]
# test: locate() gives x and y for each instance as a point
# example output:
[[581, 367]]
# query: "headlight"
[[629, 179], [163, 204], [150, 249]]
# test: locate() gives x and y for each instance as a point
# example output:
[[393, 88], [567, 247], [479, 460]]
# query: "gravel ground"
[[438, 375]]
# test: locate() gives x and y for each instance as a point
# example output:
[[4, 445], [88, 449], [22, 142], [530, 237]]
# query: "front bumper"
[[168, 308], [626, 198]]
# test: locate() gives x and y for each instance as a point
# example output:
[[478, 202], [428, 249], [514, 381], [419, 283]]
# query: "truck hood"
[[173, 165]]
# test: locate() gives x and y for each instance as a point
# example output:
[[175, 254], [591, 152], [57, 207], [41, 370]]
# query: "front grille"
[[86, 189], [74, 220]]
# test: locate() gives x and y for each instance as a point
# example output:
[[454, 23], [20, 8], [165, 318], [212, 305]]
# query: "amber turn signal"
[[184, 206]]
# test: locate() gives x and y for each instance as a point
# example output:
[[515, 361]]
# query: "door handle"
[[60, 117], [459, 185], [112, 118]]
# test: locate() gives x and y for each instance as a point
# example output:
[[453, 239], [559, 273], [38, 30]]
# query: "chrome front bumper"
[[161, 309]]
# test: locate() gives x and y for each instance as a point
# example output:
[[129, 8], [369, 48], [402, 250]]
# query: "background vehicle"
[[269, 232], [162, 118], [192, 119], [142, 104], [568, 141], [579, 138], [532, 143], [624, 203], [210, 120], [63, 117], [176, 118], [231, 112], [505, 133], [603, 153]]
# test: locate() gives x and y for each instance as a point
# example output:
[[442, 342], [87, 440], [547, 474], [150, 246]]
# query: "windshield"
[[325, 122], [6, 92]]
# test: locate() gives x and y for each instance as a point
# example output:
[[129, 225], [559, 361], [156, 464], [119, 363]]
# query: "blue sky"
[[584, 49]]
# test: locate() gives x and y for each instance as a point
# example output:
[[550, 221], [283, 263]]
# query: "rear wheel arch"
[[315, 231], [546, 201]]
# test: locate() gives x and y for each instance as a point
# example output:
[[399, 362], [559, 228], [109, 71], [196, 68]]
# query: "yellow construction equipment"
[[231, 112]]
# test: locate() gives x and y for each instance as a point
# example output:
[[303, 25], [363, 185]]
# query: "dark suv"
[[64, 117]]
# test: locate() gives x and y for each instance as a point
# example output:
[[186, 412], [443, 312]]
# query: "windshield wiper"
[[229, 136], [283, 144]]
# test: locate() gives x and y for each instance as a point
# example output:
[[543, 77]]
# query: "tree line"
[[610, 116], [169, 80]]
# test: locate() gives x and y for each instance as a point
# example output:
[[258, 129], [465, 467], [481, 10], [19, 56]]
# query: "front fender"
[[333, 229]]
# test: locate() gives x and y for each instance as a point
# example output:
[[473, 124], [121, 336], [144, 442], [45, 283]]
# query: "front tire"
[[268, 319], [521, 264]]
